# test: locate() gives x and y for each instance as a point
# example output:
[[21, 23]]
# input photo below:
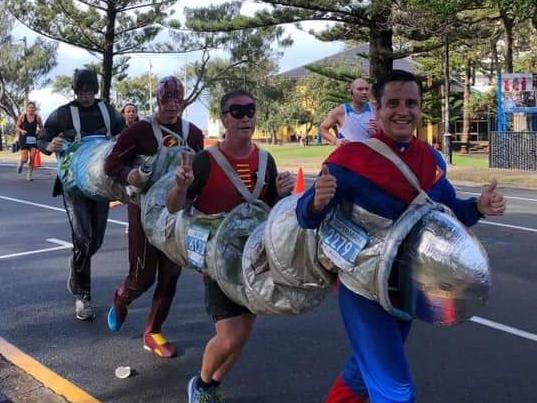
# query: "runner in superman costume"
[[377, 368]]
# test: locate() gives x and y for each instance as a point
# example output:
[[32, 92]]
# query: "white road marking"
[[507, 197], [53, 208], [124, 223], [497, 224], [59, 242], [62, 245], [31, 203], [504, 328], [41, 167]]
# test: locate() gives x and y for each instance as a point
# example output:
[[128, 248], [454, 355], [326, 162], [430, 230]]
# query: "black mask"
[[240, 111]]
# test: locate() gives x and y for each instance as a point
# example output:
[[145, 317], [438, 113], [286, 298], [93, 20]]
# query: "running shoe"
[[83, 309], [203, 395], [157, 344], [29, 176], [116, 315]]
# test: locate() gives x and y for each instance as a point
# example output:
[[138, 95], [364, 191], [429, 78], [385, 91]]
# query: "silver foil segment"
[[291, 250], [230, 239], [446, 268], [427, 265], [158, 224]]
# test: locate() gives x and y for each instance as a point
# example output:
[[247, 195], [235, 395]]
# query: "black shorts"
[[27, 147], [218, 305]]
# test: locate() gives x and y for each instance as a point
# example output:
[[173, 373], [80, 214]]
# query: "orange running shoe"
[[157, 343]]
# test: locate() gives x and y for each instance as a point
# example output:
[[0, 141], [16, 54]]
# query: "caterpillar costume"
[[424, 264]]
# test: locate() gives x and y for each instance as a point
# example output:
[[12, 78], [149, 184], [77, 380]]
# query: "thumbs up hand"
[[325, 190], [491, 201]]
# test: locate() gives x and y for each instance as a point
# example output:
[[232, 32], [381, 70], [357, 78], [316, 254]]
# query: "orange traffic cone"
[[37, 159], [299, 184]]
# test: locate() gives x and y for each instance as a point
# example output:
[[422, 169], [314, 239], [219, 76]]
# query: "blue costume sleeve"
[[306, 219], [443, 192]]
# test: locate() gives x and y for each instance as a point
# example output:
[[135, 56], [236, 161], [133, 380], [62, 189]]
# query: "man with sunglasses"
[[147, 263], [209, 188], [352, 121]]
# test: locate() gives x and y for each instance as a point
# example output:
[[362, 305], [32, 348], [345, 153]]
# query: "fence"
[[513, 150], [479, 129]]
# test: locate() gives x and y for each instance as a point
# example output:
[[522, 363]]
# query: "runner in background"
[[130, 114], [352, 121], [28, 126]]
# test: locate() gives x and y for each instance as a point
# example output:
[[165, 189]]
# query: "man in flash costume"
[[147, 263]]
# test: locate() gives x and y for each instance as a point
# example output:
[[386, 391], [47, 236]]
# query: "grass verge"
[[466, 168]]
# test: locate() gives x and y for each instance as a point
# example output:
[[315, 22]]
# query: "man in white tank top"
[[354, 120]]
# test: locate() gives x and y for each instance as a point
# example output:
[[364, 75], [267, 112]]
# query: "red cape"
[[362, 160]]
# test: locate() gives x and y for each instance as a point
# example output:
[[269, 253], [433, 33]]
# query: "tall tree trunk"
[[465, 138], [6, 103], [508, 24], [473, 74], [2, 87], [309, 126], [108, 54], [495, 64], [273, 136], [380, 40]]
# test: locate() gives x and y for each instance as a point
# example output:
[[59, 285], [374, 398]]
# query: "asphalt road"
[[288, 359]]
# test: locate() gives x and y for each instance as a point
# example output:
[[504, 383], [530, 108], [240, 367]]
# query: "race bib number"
[[342, 241], [196, 245], [31, 140]]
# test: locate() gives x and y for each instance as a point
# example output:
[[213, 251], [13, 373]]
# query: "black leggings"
[[87, 218]]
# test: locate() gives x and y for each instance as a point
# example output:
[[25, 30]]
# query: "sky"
[[70, 57]]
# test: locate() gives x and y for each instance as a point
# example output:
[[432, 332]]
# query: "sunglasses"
[[240, 111]]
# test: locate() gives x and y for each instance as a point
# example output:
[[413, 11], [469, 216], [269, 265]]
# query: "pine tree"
[[106, 28], [23, 66]]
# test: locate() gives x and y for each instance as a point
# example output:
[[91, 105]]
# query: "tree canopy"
[[105, 28], [23, 66]]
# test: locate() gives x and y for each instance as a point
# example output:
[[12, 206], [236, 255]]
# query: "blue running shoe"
[[112, 320], [203, 395]]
